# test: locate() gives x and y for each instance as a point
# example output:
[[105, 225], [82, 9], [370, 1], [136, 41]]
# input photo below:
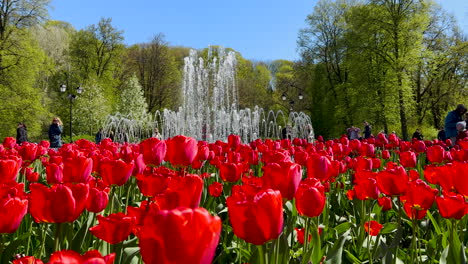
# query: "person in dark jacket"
[[367, 130], [21, 133], [55, 133], [417, 135], [99, 136], [441, 134], [451, 121]]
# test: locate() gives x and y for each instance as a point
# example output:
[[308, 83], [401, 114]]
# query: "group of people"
[[355, 132], [455, 124]]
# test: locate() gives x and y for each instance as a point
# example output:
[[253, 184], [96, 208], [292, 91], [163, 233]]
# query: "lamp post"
[[71, 97], [291, 102]]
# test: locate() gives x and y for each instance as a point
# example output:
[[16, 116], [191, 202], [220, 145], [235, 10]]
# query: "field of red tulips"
[[179, 200]]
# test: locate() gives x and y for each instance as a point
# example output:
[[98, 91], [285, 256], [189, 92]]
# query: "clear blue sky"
[[259, 29]]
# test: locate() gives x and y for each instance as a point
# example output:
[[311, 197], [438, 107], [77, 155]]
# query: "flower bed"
[[183, 201]]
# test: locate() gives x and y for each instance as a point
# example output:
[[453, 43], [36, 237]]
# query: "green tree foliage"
[[90, 109], [252, 82], [132, 100], [397, 64], [21, 99], [158, 72]]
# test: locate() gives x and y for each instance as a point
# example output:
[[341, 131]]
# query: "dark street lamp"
[[291, 102], [71, 97]]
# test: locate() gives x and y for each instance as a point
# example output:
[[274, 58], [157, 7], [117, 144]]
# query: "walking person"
[[55, 133], [21, 133], [417, 134], [451, 121], [367, 130], [99, 136]]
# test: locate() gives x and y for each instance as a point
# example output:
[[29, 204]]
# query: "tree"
[[157, 71], [15, 16], [132, 100], [90, 110]]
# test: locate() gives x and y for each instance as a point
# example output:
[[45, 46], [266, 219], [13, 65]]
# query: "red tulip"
[[114, 228], [372, 227], [153, 150], [319, 167], [9, 169], [116, 172], [27, 260], [284, 176], [234, 141], [182, 191], [98, 199], [28, 151], [419, 146], [13, 206], [181, 150], [181, 235], [300, 235], [310, 197], [94, 257], [419, 195], [408, 159], [9, 142], [57, 204], [385, 202], [215, 189], [435, 154], [255, 217], [367, 150], [452, 205], [414, 213], [392, 182], [154, 182], [77, 170], [385, 154], [459, 173], [230, 172], [54, 173], [367, 189]]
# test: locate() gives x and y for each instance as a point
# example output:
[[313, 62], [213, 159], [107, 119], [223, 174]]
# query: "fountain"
[[210, 108]]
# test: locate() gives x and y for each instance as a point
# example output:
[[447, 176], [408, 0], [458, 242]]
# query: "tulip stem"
[[58, 230], [261, 254]]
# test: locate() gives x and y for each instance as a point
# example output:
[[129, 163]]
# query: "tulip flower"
[[153, 150], [215, 189], [54, 173], [234, 141], [27, 260], [13, 206], [98, 199], [57, 204], [283, 176], [230, 172], [319, 167], [116, 172], [72, 257], [77, 170], [367, 189], [310, 198], [154, 182], [182, 235], [255, 217], [28, 151], [182, 191], [419, 195], [9, 168], [435, 154], [392, 182], [385, 202], [114, 228], [181, 150], [452, 205], [300, 235], [372, 227], [9, 142]]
